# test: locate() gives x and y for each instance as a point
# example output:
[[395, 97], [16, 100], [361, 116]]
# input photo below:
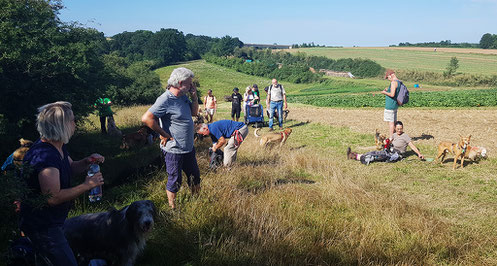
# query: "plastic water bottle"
[[96, 192]]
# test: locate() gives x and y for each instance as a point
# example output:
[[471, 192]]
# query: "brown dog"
[[379, 140], [273, 138], [136, 139], [21, 151], [458, 149]]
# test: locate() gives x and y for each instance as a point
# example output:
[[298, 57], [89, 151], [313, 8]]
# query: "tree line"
[[43, 59], [443, 43]]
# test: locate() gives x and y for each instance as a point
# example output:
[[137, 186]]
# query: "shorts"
[[210, 111], [235, 110], [390, 115], [178, 163]]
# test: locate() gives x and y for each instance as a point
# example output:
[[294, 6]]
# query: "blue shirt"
[[223, 128], [40, 156], [175, 115]]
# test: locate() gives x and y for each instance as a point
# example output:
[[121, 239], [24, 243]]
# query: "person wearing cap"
[[391, 105], [210, 105], [236, 104]]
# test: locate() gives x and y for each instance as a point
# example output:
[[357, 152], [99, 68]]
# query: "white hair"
[[53, 121], [200, 127], [178, 75]]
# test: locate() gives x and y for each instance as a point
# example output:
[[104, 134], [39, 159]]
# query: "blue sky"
[[340, 23]]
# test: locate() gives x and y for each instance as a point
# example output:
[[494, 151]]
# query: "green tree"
[[452, 67], [226, 46], [487, 41], [166, 46], [44, 60]]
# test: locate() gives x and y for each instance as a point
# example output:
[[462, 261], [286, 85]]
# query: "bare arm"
[[416, 150], [78, 167], [284, 100], [150, 121], [50, 185], [393, 88], [220, 142]]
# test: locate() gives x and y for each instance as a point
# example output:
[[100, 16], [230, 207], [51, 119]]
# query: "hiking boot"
[[271, 129]]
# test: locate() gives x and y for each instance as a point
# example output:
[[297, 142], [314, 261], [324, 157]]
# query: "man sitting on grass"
[[391, 154]]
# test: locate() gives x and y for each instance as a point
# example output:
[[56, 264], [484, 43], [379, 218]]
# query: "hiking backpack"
[[403, 95]]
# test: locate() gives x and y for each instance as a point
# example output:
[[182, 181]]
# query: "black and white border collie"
[[117, 236]]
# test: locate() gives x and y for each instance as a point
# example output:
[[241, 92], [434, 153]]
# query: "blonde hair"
[[54, 121]]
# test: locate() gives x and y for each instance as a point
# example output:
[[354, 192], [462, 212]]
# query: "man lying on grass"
[[394, 152]]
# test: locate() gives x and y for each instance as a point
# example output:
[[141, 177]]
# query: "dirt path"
[[441, 124]]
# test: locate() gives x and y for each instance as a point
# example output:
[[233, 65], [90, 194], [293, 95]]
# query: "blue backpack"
[[403, 95]]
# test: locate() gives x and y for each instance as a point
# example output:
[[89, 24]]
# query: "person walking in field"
[[210, 105], [175, 111], [104, 112], [276, 98], [236, 104], [391, 105]]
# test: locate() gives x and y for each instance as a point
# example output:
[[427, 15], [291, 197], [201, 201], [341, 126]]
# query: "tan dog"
[[458, 149], [475, 153], [112, 129], [136, 139], [21, 151], [379, 140], [273, 138]]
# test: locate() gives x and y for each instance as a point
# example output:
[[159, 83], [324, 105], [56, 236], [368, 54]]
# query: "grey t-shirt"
[[176, 117], [276, 92], [400, 142]]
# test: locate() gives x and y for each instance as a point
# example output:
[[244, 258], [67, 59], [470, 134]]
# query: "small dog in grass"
[[379, 140], [273, 138], [458, 149], [285, 114], [476, 153], [112, 129], [21, 151], [136, 139]]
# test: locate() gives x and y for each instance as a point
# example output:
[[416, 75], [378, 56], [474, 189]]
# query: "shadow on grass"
[[423, 137]]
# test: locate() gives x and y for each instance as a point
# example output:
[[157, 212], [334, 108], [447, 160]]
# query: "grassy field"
[[284, 207], [414, 59], [305, 203]]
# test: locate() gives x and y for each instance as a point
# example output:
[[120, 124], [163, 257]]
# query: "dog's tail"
[[255, 133]]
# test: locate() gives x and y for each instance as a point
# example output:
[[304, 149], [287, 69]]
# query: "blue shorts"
[[175, 163]]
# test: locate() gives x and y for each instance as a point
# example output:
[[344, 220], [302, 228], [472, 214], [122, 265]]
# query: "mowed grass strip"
[[424, 60]]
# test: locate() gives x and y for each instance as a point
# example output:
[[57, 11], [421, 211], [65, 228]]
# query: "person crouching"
[[227, 132]]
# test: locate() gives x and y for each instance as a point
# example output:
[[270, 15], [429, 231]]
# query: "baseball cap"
[[388, 73]]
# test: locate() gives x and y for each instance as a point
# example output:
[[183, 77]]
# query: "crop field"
[[306, 203], [415, 59]]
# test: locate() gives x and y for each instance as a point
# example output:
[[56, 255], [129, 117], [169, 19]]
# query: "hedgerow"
[[457, 98]]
